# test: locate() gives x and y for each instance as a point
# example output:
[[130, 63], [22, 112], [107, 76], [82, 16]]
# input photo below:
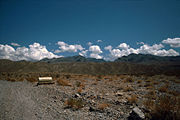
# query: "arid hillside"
[[104, 68]]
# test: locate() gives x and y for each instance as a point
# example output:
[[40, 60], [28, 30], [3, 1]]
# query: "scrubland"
[[83, 96]]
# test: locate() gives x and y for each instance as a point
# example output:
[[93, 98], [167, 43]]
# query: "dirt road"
[[25, 101]]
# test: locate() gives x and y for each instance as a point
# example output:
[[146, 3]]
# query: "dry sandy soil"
[[102, 98]]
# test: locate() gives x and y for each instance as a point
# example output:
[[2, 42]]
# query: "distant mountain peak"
[[147, 58], [76, 58]]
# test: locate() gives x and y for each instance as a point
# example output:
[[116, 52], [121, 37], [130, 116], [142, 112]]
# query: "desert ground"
[[88, 97]]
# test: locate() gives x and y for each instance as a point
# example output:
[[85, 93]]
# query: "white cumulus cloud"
[[123, 46], [95, 51], [97, 56], [34, 52], [89, 43], [15, 44], [64, 47], [83, 53], [124, 50], [175, 42], [99, 40]]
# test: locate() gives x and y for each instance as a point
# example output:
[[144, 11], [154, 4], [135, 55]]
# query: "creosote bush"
[[163, 88], [74, 103], [102, 106], [127, 88], [132, 99], [31, 79], [166, 108], [63, 82]]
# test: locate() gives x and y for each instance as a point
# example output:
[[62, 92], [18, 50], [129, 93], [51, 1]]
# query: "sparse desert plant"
[[155, 82], [139, 81], [122, 76], [78, 83], [164, 88], [74, 103], [67, 76], [129, 79], [132, 99], [151, 94], [147, 84], [127, 88], [31, 79], [102, 106], [11, 79], [175, 93], [79, 90], [63, 82], [166, 108], [149, 103]]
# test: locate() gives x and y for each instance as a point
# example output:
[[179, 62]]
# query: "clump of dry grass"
[[102, 106], [79, 90], [164, 88], [149, 80], [63, 82], [11, 79], [139, 81], [74, 103], [148, 84], [166, 108], [151, 95], [127, 88], [173, 92], [31, 79], [129, 79], [155, 82], [132, 99], [149, 104]]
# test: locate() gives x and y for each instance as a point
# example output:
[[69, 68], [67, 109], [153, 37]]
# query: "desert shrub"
[[31, 79], [78, 84], [166, 108], [102, 106], [67, 76], [79, 90], [139, 81], [11, 79], [149, 103], [129, 79], [151, 94], [122, 76], [74, 103], [63, 82], [132, 99], [163, 88], [127, 88], [149, 80], [175, 93], [20, 79], [147, 84], [155, 82]]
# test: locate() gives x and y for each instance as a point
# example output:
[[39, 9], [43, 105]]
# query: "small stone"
[[136, 114], [119, 93], [77, 95]]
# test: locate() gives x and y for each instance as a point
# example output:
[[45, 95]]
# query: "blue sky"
[[77, 22]]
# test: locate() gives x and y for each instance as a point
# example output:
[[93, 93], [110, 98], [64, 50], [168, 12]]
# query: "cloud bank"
[[64, 47], [175, 42], [33, 52], [95, 51], [36, 51], [124, 50]]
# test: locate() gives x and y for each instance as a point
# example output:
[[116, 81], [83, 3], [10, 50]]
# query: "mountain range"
[[132, 58], [132, 64]]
